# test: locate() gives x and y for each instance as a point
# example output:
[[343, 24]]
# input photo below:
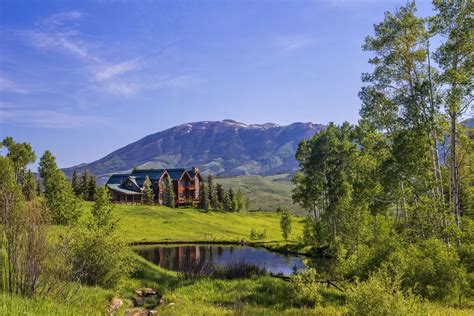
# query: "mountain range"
[[223, 148]]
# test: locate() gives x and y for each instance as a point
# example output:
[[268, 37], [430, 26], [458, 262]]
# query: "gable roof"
[[176, 174], [117, 179], [153, 174]]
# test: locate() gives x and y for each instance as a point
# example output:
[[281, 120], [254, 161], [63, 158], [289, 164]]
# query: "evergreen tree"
[[211, 191], [84, 186], [20, 154], [227, 202], [170, 199], [102, 209], [203, 198], [149, 195], [233, 204], [63, 205], [47, 166], [91, 188], [285, 223], [75, 184], [29, 186], [220, 193]]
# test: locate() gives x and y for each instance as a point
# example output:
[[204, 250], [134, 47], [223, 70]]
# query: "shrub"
[[258, 235], [380, 295], [99, 256], [430, 269], [306, 288]]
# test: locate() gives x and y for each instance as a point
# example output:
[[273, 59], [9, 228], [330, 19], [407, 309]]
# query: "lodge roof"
[[138, 176]]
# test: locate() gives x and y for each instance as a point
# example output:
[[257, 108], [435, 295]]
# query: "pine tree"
[[169, 193], [227, 202], [203, 198], [84, 186], [211, 191], [285, 223], [220, 193], [20, 154], [29, 186], [47, 166], [91, 188], [63, 205], [149, 195], [233, 206], [102, 209], [75, 184]]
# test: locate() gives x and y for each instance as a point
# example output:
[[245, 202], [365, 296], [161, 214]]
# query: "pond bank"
[[283, 248]]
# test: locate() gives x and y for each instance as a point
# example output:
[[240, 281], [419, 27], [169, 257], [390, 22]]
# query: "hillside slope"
[[226, 147], [264, 193]]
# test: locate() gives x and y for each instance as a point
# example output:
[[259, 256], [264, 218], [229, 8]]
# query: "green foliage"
[[20, 154], [306, 288], [285, 223], [169, 196], [377, 241], [102, 210], [430, 269], [203, 198], [91, 188], [64, 207], [211, 192], [380, 295], [84, 186], [257, 235], [75, 184], [29, 186], [99, 256], [148, 192]]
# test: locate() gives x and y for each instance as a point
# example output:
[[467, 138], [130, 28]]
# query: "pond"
[[183, 258]]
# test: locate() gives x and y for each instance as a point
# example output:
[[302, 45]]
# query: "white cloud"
[[9, 86], [47, 118], [59, 32], [61, 17], [106, 72], [291, 42]]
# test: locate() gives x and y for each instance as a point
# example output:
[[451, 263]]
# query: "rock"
[[139, 293], [136, 312], [115, 305], [153, 312], [148, 292], [171, 304]]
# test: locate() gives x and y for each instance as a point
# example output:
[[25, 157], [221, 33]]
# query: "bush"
[[306, 288], [98, 257], [380, 295], [258, 235], [430, 269]]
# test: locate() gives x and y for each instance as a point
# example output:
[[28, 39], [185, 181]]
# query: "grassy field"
[[142, 223], [263, 295], [264, 193], [256, 296]]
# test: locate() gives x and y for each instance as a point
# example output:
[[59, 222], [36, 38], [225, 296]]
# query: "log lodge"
[[128, 188]]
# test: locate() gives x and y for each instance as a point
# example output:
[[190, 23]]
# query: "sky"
[[84, 78]]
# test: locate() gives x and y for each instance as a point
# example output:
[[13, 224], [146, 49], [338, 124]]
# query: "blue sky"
[[83, 78]]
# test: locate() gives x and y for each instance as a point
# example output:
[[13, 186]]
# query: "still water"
[[184, 257]]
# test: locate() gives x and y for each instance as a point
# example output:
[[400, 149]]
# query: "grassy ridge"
[[142, 223], [264, 193]]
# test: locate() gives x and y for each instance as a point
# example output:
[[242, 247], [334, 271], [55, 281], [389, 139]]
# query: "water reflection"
[[185, 257]]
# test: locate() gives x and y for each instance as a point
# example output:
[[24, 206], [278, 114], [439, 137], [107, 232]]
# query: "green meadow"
[[146, 224]]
